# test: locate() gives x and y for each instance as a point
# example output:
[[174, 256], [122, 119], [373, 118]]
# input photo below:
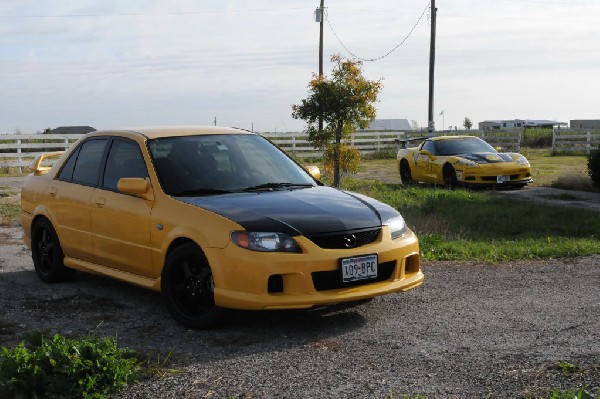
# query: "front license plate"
[[502, 179], [359, 268]]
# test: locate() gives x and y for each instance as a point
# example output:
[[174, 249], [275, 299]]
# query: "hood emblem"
[[349, 241]]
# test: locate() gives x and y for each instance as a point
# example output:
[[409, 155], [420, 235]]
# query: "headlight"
[[264, 241], [397, 227], [468, 163], [523, 161]]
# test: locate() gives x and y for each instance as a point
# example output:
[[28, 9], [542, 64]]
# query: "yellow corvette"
[[212, 218], [461, 160]]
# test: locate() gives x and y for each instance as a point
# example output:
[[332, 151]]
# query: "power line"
[[386, 54]]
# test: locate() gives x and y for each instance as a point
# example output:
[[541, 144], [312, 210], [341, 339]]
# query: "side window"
[[124, 160], [430, 146], [66, 173], [89, 161]]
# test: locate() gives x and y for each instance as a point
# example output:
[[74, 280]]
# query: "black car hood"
[[307, 211], [486, 157]]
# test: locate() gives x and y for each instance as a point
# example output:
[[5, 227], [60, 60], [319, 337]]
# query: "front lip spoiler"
[[497, 185]]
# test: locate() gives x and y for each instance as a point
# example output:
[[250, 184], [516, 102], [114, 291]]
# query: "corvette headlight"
[[523, 161], [397, 227], [264, 241], [468, 163]]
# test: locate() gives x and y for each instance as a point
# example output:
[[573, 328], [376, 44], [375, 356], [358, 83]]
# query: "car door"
[[121, 222], [69, 198], [423, 162]]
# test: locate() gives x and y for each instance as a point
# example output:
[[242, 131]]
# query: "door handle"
[[101, 202], [53, 191]]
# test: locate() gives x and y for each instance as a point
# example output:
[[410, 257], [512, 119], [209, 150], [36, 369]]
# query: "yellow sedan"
[[212, 218], [461, 160]]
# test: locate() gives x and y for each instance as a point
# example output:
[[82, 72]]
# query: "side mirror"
[[314, 171], [498, 149], [425, 152], [135, 186]]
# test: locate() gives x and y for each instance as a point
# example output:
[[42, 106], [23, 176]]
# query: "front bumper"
[[244, 279], [488, 175]]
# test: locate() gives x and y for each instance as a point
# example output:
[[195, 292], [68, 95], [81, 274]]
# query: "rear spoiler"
[[402, 142], [36, 164]]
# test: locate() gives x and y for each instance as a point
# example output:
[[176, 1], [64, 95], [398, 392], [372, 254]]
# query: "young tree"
[[467, 123], [344, 103]]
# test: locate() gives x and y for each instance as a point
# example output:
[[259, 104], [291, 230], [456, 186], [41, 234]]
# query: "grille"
[[340, 240], [332, 280]]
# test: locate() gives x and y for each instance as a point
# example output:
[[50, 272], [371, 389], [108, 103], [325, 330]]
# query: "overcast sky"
[[116, 63]]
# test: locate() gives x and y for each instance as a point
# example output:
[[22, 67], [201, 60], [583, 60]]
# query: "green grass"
[[572, 394], [9, 212], [547, 169], [465, 225]]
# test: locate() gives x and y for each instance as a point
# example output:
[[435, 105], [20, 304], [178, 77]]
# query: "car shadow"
[[91, 304]]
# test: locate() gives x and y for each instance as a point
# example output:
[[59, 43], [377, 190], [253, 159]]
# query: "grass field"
[[465, 225], [568, 172]]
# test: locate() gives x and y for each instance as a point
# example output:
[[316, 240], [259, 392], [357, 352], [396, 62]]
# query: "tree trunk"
[[336, 159]]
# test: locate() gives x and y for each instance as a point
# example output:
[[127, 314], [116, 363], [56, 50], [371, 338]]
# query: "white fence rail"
[[575, 141], [19, 150], [298, 145]]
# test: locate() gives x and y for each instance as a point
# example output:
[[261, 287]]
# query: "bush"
[[537, 138], [57, 367], [349, 159], [594, 166]]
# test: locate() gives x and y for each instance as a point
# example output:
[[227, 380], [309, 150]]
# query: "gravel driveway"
[[471, 331]]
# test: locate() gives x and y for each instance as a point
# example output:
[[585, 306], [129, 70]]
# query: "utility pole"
[[320, 16], [431, 124]]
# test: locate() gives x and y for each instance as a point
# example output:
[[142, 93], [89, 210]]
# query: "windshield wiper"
[[201, 191], [271, 186]]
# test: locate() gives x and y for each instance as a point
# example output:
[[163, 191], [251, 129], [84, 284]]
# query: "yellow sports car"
[[212, 218], [461, 160]]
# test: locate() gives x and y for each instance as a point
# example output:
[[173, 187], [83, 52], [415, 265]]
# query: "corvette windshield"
[[223, 163], [462, 146]]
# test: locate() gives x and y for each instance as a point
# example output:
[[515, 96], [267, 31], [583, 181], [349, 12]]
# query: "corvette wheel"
[[187, 287], [47, 253], [450, 180], [405, 174]]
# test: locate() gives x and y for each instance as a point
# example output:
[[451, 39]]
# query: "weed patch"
[[57, 367]]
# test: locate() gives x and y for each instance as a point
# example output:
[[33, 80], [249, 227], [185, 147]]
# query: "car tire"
[[405, 174], [450, 180], [47, 253], [187, 287]]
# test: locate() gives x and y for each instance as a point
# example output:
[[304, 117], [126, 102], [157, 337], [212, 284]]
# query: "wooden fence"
[[19, 150], [575, 141], [370, 142]]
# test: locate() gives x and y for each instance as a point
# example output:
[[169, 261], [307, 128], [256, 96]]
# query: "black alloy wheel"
[[450, 180], [405, 174], [187, 287], [47, 253]]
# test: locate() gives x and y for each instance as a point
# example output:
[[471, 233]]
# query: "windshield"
[[462, 146], [217, 164]]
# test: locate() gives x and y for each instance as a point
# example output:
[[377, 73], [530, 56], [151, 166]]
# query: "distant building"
[[72, 130], [520, 124], [592, 124], [389, 125]]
